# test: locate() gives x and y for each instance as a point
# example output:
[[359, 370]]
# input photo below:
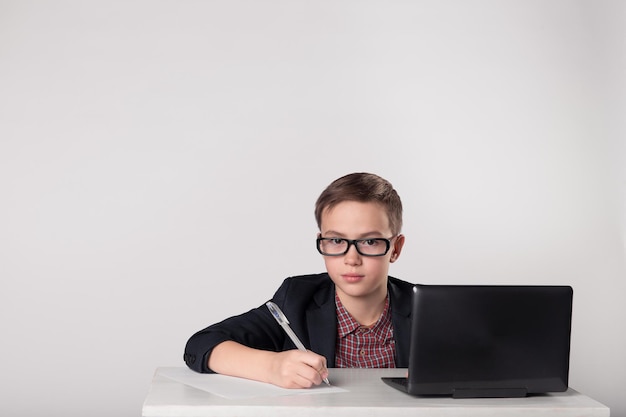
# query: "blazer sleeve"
[[255, 328]]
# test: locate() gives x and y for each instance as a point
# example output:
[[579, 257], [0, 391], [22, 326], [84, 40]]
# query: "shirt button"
[[362, 352]]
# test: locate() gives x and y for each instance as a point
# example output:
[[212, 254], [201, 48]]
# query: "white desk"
[[367, 396]]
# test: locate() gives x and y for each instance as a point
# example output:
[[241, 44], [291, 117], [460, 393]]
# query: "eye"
[[335, 241], [370, 242]]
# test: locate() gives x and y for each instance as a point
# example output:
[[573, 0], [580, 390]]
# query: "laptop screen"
[[489, 341]]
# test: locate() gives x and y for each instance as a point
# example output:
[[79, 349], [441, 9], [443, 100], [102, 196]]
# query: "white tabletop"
[[365, 396]]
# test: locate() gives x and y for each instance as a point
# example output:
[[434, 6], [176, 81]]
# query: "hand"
[[297, 369]]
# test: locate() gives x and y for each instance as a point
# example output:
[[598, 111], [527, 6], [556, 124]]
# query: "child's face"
[[357, 276]]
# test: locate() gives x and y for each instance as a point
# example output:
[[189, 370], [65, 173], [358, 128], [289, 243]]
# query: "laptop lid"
[[489, 341]]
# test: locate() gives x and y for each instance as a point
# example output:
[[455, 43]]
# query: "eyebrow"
[[372, 234]]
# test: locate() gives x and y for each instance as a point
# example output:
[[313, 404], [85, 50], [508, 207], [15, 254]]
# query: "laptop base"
[[401, 384]]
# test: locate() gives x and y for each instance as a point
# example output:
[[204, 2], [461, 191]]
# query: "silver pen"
[[284, 323]]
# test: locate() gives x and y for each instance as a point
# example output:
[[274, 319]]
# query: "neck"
[[365, 310]]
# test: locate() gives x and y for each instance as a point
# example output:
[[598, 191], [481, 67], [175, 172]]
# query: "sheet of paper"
[[237, 388]]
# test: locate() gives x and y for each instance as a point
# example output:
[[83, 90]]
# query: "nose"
[[352, 257]]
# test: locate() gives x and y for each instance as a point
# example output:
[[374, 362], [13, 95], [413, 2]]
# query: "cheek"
[[378, 265], [332, 262]]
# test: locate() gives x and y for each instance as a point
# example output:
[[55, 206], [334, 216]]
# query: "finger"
[[310, 374], [318, 362], [313, 368], [324, 374], [323, 371], [304, 381]]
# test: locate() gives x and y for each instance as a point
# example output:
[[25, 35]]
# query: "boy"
[[354, 315]]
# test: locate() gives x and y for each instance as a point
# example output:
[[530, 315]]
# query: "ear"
[[396, 249]]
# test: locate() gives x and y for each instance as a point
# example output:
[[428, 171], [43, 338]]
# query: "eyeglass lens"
[[367, 247]]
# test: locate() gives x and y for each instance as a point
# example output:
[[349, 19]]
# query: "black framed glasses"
[[336, 246]]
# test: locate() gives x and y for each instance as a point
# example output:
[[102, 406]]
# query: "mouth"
[[352, 277]]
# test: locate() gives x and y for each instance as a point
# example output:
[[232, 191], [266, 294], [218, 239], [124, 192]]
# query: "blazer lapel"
[[322, 324], [401, 319]]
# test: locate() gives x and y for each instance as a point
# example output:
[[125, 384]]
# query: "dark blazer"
[[308, 301]]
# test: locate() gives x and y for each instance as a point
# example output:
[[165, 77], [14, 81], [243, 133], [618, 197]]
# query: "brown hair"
[[365, 188]]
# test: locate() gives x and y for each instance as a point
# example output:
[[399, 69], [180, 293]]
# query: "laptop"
[[472, 341]]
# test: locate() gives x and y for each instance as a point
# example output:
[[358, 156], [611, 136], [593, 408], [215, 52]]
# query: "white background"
[[159, 162]]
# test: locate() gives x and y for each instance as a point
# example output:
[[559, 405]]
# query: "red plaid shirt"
[[364, 347]]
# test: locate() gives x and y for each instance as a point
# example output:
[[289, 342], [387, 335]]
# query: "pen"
[[284, 323]]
